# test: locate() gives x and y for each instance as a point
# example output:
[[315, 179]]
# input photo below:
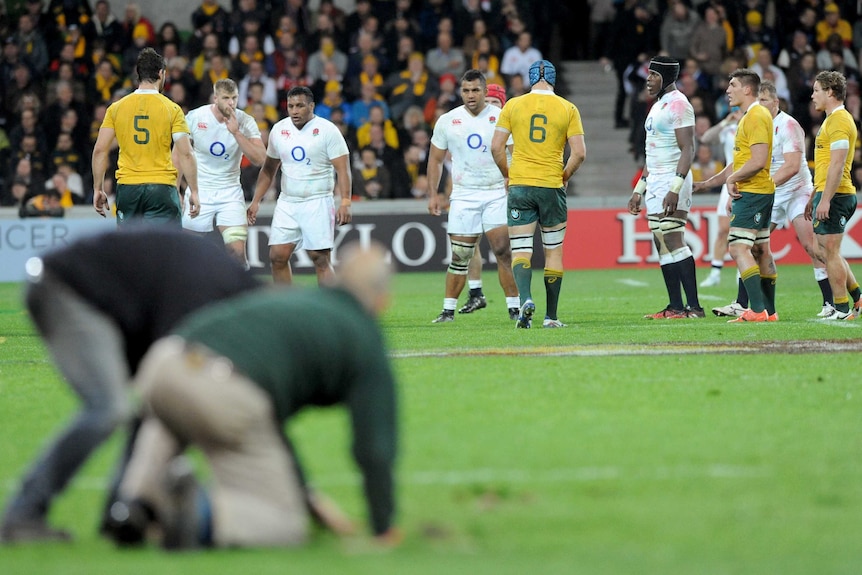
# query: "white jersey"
[[217, 153], [727, 137], [789, 137], [306, 157], [668, 113], [468, 139]]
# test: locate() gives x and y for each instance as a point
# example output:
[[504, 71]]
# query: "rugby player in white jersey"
[[478, 199], [311, 152], [723, 133], [666, 186], [221, 134]]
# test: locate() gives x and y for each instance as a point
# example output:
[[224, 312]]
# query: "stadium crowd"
[[386, 70]]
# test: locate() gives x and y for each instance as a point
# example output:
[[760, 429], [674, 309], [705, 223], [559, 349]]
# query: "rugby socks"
[[688, 277], [475, 288], [767, 284], [823, 283], [751, 279], [842, 304], [741, 293], [670, 273], [553, 284], [717, 266], [854, 292], [523, 276]]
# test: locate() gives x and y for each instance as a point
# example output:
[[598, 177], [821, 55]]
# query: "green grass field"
[[592, 449]]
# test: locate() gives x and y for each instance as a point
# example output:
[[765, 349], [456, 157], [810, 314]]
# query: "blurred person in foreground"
[[230, 379]]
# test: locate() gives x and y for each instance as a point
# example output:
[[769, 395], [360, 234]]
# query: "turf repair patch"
[[790, 346]]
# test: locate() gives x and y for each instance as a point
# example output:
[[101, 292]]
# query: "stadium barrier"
[[601, 234]]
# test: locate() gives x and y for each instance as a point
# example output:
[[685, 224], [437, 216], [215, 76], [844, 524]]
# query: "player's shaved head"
[[365, 272]]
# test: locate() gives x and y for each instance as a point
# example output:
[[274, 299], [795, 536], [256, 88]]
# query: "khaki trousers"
[[198, 399]]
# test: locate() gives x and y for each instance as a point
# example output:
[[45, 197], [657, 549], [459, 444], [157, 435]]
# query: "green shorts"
[[752, 211], [841, 209], [528, 204], [154, 203]]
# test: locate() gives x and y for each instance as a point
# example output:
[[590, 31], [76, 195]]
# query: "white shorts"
[[657, 187], [723, 197], [473, 216], [789, 205], [225, 213], [309, 224]]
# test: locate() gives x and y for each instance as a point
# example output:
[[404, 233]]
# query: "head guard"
[[543, 70], [497, 91], [667, 68]]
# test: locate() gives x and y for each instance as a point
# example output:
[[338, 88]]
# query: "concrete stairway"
[[606, 174]]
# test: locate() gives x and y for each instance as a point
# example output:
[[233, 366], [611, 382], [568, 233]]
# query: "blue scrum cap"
[[543, 70]]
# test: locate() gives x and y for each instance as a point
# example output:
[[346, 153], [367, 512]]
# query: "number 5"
[[145, 139]]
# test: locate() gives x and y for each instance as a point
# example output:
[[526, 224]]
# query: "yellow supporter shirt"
[[755, 127], [837, 128], [144, 123], [540, 123]]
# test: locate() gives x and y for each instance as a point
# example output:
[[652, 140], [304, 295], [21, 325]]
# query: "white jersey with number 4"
[[306, 157], [217, 153], [668, 113], [468, 139]]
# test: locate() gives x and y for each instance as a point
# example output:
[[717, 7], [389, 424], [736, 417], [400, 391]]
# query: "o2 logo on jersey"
[[299, 156], [218, 150], [648, 125], [474, 142]]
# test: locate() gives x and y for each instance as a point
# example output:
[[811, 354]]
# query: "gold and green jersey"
[[144, 123], [754, 128], [838, 131], [540, 123]]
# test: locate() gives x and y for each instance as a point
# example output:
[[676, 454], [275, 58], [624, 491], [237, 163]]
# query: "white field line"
[[632, 282], [464, 477], [600, 350]]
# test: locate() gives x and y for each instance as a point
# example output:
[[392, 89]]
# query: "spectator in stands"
[[69, 184], [360, 109], [217, 70], [292, 76], [402, 26], [63, 15], [326, 53], [800, 81], [251, 27], [790, 55], [371, 179], [388, 131], [31, 44], [257, 74], [103, 83], [705, 166], [169, 34], [105, 27], [330, 73], [62, 99], [42, 204], [287, 50], [370, 73], [209, 47], [413, 121], [447, 99], [411, 87], [28, 124], [251, 52], [333, 98], [833, 23], [297, 11], [445, 58], [517, 59], [178, 73], [474, 38], [709, 43], [22, 172], [134, 18], [244, 10], [140, 40], [755, 36], [361, 54], [764, 65], [835, 44], [430, 17], [406, 47], [850, 73], [677, 29], [214, 18]]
